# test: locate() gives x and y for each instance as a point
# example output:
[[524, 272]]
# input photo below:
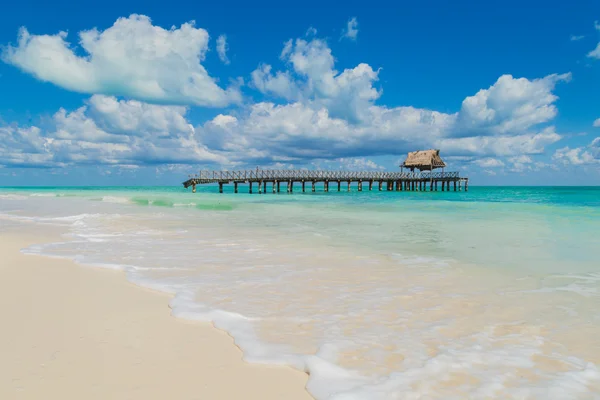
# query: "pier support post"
[[380, 185], [399, 186], [370, 185], [235, 187], [194, 188], [274, 186], [339, 186], [265, 187], [313, 186], [260, 186], [455, 186], [443, 184], [220, 187], [360, 186], [290, 186], [459, 185], [348, 185], [278, 186], [431, 186], [466, 185], [303, 187], [250, 187]]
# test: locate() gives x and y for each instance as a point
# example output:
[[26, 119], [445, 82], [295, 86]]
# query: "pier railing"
[[314, 175], [398, 181]]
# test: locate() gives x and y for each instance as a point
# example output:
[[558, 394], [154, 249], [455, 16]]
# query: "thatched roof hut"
[[427, 160]]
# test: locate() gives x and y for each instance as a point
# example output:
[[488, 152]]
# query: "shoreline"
[[71, 331]]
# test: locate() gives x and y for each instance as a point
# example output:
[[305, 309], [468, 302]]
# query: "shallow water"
[[493, 293]]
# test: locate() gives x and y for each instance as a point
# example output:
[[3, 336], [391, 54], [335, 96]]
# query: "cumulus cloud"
[[510, 106], [351, 31], [312, 77], [110, 132], [575, 38], [131, 58], [222, 48], [597, 123], [321, 114], [331, 115], [280, 84], [586, 155]]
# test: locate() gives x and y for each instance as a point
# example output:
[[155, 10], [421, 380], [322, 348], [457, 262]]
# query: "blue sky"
[[136, 93]]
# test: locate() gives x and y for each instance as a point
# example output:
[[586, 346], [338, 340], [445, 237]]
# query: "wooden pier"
[[425, 161], [339, 180]]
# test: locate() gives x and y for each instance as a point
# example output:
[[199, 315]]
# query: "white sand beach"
[[75, 332]]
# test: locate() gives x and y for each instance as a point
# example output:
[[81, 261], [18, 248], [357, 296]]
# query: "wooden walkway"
[[392, 181]]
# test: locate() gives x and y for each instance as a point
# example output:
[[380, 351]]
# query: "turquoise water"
[[490, 293]]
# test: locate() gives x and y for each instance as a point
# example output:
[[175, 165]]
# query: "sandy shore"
[[73, 332]]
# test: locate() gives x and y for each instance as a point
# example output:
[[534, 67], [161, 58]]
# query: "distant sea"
[[490, 293]]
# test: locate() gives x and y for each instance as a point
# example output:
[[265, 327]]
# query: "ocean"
[[490, 293]]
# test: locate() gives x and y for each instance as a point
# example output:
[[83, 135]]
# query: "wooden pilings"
[[454, 184]]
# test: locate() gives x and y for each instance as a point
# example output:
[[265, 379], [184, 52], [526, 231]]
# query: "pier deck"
[[392, 181]]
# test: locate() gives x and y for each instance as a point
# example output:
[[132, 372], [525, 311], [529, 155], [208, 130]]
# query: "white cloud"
[[523, 159], [597, 123], [575, 156], [510, 106], [311, 31], [596, 52], [527, 143], [222, 49], [327, 115], [351, 31], [521, 163], [107, 131], [131, 58], [575, 38], [332, 115], [280, 84], [359, 163], [587, 155], [304, 131], [489, 162], [347, 94]]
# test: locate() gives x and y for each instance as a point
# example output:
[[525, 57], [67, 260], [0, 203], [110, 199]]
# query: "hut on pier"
[[423, 160]]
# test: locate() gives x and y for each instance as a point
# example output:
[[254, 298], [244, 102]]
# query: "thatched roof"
[[424, 160]]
